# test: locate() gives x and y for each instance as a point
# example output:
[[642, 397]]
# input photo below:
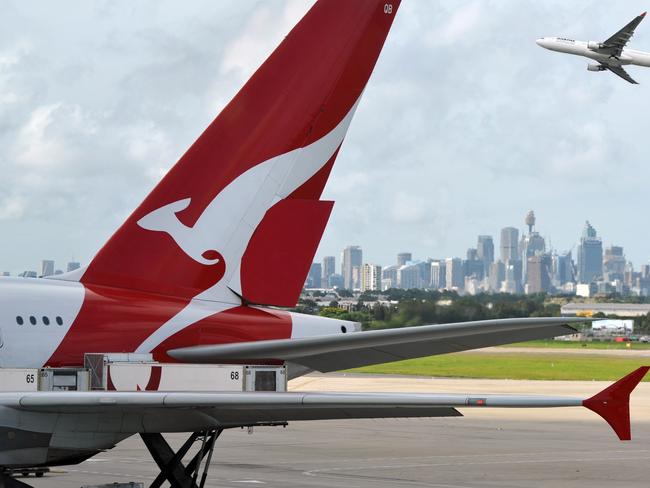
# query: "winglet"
[[613, 403], [643, 14]]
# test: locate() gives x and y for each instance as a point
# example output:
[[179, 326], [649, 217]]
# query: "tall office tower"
[[614, 264], [497, 276], [315, 276], [389, 277], [47, 267], [409, 276], [562, 269], [509, 244], [590, 255], [370, 277], [473, 267], [539, 274], [403, 258], [6, 273], [454, 273], [72, 265], [350, 257], [438, 275], [485, 251], [510, 283], [329, 268]]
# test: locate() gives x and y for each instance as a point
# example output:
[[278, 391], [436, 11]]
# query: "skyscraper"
[[403, 258], [370, 277], [485, 252], [438, 275], [530, 245], [509, 244], [614, 264], [328, 268], [351, 257], [590, 255], [315, 276], [454, 272], [389, 276], [47, 267], [72, 265], [539, 274]]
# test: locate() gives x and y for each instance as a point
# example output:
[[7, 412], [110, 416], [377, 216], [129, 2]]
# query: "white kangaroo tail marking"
[[164, 219], [228, 222]]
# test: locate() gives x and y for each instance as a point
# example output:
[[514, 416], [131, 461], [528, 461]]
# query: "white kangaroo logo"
[[229, 220]]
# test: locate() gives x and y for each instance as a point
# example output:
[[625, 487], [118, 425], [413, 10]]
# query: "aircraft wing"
[[343, 351], [618, 41], [140, 412], [619, 71]]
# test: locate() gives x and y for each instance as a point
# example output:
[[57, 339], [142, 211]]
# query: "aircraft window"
[[46, 320], [59, 320], [32, 320], [344, 329], [19, 320]]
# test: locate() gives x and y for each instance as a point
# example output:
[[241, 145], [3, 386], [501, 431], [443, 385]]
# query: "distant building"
[[619, 309], [47, 267], [438, 275], [472, 266], [335, 281], [562, 269], [72, 265], [454, 273], [371, 277], [485, 252], [539, 274], [6, 273], [351, 257], [590, 255], [403, 258], [509, 244], [389, 276], [409, 276], [328, 269], [614, 264], [28, 274], [512, 283], [496, 275], [315, 276]]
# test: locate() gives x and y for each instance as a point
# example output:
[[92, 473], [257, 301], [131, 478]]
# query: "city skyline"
[[478, 142]]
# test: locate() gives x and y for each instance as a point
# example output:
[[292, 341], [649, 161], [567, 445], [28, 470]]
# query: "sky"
[[466, 124]]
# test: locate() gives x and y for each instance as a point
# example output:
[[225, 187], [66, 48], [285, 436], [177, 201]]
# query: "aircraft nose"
[[540, 42]]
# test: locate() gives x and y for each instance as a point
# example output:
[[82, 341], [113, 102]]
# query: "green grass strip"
[[514, 366]]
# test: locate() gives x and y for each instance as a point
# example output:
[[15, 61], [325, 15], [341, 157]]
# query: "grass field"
[[514, 366], [580, 345]]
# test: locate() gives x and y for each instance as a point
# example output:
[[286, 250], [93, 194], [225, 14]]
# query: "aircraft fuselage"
[[581, 48]]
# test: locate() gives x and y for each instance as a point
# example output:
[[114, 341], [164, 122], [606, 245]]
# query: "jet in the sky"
[[611, 54], [199, 271]]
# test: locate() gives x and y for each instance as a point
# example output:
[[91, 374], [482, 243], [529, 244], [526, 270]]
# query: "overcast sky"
[[466, 123]]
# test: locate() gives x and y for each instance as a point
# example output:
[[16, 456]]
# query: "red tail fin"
[[613, 403], [277, 139]]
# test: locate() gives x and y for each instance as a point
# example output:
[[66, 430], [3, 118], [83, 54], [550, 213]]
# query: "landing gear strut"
[[170, 462]]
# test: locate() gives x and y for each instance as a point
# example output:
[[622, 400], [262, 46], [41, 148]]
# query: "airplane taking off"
[[610, 54], [185, 279]]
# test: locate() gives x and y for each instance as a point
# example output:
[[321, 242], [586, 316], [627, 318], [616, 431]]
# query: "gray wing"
[[618, 41], [336, 352], [619, 71]]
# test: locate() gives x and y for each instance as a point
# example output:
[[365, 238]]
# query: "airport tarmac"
[[487, 448]]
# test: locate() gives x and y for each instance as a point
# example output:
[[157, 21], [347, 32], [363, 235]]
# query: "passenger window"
[[46, 320], [19, 320], [32, 320], [59, 320]]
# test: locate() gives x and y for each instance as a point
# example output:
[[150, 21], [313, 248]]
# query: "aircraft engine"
[[595, 67], [595, 46]]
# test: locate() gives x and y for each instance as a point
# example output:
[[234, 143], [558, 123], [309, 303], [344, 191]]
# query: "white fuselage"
[[581, 48]]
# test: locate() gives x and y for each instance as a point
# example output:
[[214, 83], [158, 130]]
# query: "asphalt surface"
[[488, 448]]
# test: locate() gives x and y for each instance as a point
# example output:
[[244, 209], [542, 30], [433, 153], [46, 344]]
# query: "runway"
[[488, 448]]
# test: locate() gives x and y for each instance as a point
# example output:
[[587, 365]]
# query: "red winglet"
[[613, 403], [643, 14]]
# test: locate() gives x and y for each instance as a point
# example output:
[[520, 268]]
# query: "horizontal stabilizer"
[[613, 403], [342, 351]]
